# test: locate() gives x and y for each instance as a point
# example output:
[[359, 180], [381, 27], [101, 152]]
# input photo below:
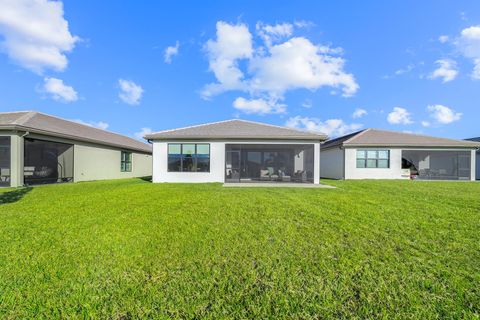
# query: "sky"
[[334, 67]]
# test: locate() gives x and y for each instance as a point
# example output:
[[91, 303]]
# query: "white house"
[[236, 151], [382, 154]]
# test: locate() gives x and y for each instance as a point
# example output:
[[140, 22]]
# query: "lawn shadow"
[[147, 179], [13, 196]]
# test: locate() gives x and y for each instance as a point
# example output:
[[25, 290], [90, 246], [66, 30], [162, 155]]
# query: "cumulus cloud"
[[58, 90], [142, 133], [258, 106], [443, 114], [35, 34], [233, 42], [331, 127], [170, 52], [469, 44], [267, 73], [447, 70], [443, 38], [130, 92], [359, 112], [399, 116], [99, 125]]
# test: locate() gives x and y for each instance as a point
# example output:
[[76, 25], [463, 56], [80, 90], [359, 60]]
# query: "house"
[[382, 154], [236, 151], [478, 157], [37, 148]]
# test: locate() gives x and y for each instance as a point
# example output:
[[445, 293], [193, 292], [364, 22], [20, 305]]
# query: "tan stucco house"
[[37, 148]]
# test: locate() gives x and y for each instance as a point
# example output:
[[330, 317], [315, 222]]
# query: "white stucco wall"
[[332, 163], [93, 162], [217, 161], [394, 172]]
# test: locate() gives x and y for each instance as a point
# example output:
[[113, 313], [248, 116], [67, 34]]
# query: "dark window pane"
[[5, 161], [203, 164], [188, 165], [174, 163]]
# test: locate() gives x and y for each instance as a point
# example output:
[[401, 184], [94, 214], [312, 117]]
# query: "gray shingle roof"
[[386, 138], [41, 123], [236, 129]]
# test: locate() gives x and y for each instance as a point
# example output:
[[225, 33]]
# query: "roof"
[[236, 129], [376, 137], [36, 122], [474, 139]]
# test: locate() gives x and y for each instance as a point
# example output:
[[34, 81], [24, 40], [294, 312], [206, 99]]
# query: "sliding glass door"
[[232, 166], [5, 165]]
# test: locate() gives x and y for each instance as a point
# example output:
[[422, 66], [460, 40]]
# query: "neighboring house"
[[236, 151], [36, 148], [382, 154], [478, 156]]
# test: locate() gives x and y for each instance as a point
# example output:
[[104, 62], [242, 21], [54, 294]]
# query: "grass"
[[132, 249]]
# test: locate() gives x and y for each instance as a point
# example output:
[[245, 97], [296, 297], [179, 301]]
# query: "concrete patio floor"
[[276, 185]]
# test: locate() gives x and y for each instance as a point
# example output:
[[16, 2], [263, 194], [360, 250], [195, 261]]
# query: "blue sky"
[[328, 66]]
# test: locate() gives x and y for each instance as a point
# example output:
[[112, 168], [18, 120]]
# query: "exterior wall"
[[16, 158], [217, 161], [394, 172], [332, 163], [93, 162]]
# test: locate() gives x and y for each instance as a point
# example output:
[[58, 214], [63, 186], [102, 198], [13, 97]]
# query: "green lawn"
[[132, 249]]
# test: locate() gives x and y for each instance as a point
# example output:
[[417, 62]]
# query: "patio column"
[[473, 166], [16, 162], [316, 159]]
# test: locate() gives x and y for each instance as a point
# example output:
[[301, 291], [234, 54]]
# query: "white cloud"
[[258, 106], [425, 123], [447, 70], [443, 114], [130, 92], [35, 34], [233, 42], [99, 125], [358, 113], [143, 132], [469, 44], [331, 127], [267, 73], [274, 33], [170, 52], [399, 116], [443, 38], [58, 90]]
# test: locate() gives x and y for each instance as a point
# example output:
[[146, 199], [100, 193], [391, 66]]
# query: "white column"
[[473, 167], [316, 159], [16, 160]]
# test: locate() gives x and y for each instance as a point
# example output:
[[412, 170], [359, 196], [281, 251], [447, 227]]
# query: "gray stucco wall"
[[332, 164]]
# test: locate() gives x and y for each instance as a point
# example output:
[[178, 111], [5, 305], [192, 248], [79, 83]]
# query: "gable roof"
[[386, 138], [236, 129], [36, 122]]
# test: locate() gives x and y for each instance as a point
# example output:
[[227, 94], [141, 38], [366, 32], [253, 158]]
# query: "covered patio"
[[269, 163]]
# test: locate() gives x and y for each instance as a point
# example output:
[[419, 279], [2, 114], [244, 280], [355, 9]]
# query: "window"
[[188, 157], [126, 162], [373, 158]]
